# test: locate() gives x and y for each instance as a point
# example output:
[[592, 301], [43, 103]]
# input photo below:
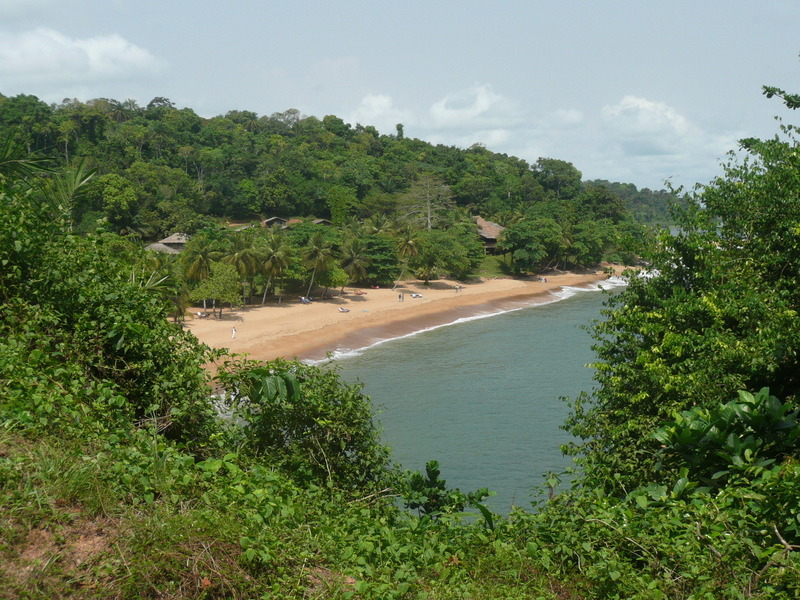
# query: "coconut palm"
[[318, 255], [198, 257], [157, 273], [66, 189], [246, 259], [354, 260], [408, 242], [378, 223], [275, 257]]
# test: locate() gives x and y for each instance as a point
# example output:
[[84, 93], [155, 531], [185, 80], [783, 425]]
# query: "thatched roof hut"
[[489, 233], [159, 247]]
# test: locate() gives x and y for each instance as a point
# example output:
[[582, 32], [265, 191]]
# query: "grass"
[[493, 265]]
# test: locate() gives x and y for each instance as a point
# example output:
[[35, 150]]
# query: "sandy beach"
[[291, 329]]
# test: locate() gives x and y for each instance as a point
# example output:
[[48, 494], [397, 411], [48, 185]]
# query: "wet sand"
[[291, 329]]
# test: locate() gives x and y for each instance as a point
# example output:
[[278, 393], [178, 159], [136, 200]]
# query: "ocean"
[[483, 395]]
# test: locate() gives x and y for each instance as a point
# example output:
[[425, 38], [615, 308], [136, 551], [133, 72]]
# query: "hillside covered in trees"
[[398, 206], [124, 475], [179, 168]]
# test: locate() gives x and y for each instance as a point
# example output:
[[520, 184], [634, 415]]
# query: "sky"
[[626, 90]]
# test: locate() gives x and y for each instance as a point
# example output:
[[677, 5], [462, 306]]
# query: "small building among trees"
[[170, 245], [488, 232]]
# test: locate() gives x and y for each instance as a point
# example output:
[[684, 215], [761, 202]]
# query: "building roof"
[[159, 247], [487, 229], [175, 238]]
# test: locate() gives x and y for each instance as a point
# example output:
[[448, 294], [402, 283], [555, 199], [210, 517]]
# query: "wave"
[[558, 295]]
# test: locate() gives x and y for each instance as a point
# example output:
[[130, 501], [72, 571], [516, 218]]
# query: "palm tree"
[[354, 259], [378, 223], [407, 248], [246, 259], [70, 185], [318, 255], [156, 273], [275, 256], [17, 165]]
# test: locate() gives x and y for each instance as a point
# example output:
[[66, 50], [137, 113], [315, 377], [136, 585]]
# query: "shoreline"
[[293, 330]]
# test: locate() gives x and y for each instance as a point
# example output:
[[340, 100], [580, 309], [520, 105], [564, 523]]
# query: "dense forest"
[[129, 470], [396, 205]]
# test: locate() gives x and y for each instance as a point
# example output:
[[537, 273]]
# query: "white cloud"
[[47, 56], [379, 111], [643, 127], [477, 107]]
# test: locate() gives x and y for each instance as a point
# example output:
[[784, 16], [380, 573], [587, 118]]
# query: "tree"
[[428, 197], [353, 259], [408, 242], [559, 177], [221, 286], [120, 202], [597, 202], [381, 253], [276, 255], [715, 316], [247, 260], [67, 190], [307, 420], [318, 255], [447, 252], [533, 244]]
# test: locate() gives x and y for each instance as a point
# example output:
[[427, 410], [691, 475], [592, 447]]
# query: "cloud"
[[478, 105], [47, 56], [641, 127], [379, 111]]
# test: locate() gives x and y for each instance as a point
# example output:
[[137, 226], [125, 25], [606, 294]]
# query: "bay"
[[484, 396]]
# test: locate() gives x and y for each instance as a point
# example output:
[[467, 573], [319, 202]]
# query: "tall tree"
[[276, 254], [428, 197], [247, 260], [318, 255]]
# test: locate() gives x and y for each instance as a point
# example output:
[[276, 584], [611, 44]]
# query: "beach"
[[291, 329]]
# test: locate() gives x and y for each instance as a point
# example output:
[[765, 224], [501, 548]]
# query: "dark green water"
[[483, 396]]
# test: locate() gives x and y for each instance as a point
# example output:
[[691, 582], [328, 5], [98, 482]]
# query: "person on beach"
[[233, 333]]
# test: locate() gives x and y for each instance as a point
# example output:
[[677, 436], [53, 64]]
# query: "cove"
[[484, 396]]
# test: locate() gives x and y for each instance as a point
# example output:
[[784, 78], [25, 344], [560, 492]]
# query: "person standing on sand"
[[233, 333]]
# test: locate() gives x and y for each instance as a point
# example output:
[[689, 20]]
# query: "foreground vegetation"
[[119, 478]]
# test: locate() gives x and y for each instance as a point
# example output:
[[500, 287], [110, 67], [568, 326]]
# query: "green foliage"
[[428, 494], [739, 437], [533, 245], [280, 486], [306, 420], [185, 170], [221, 286], [716, 314]]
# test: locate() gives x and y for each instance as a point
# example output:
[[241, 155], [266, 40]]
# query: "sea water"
[[484, 395]]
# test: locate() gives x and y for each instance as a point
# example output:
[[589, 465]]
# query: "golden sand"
[[291, 329]]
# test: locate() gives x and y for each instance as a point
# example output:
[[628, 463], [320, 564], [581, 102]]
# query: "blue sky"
[[631, 91]]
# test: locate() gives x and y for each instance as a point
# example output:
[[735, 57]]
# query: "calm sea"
[[483, 395]]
